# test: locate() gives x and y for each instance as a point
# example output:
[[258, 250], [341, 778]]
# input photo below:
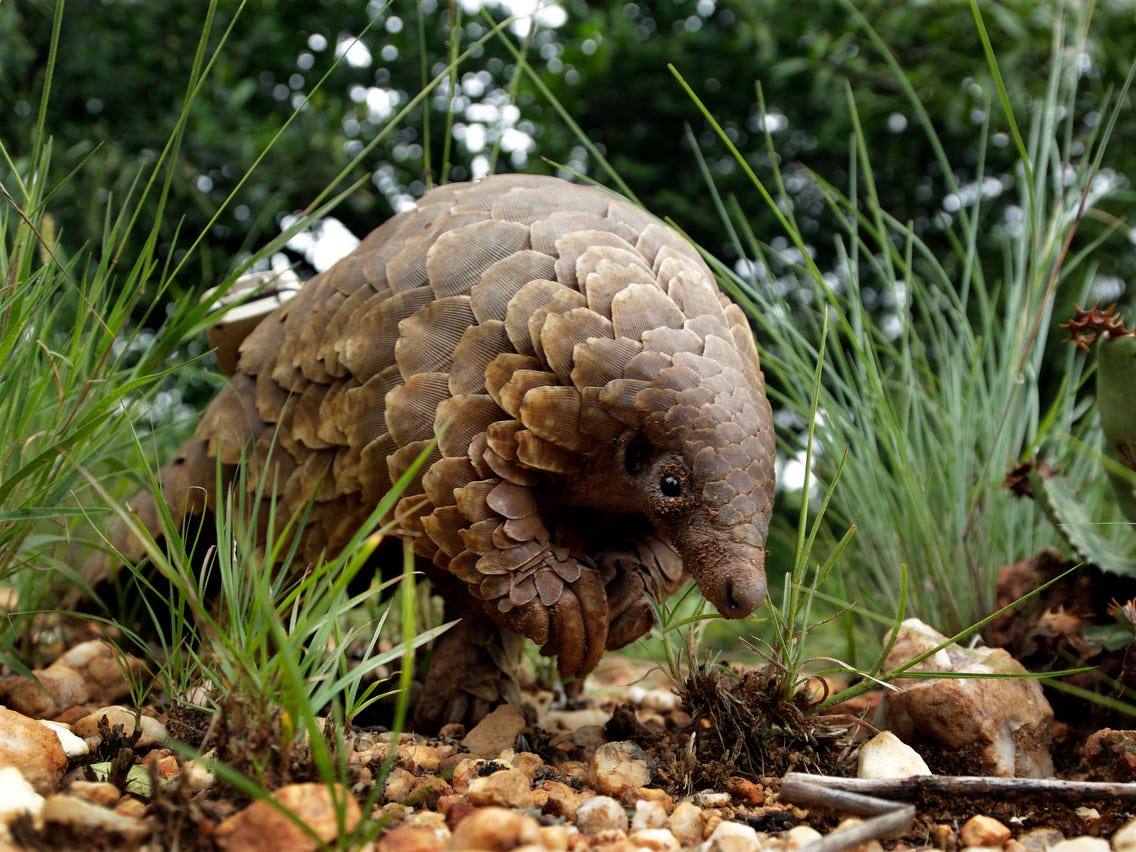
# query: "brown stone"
[[497, 732], [969, 726], [33, 749], [984, 831], [494, 830], [409, 840], [509, 788], [1110, 755], [261, 826]]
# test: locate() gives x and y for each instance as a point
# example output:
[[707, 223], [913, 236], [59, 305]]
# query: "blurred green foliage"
[[120, 84]]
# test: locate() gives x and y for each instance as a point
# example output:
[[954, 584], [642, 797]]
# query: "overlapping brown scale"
[[374, 476], [534, 203], [464, 567], [326, 345], [724, 353], [369, 346], [692, 293], [641, 307], [428, 337], [571, 246], [340, 519], [594, 420], [523, 529], [601, 360], [527, 301], [545, 233], [655, 236], [184, 494], [410, 407], [743, 339], [560, 334], [406, 268], [478, 346], [295, 495], [605, 259], [406, 457], [345, 469], [538, 453], [315, 479], [629, 216], [478, 538], [332, 415], [553, 414], [294, 313], [306, 416], [702, 367], [270, 398], [444, 526], [502, 437], [668, 341], [618, 398], [307, 359], [270, 464], [607, 278], [511, 395], [563, 301], [491, 295], [646, 365], [481, 196], [445, 476], [510, 500], [471, 500], [509, 468], [229, 424], [458, 258], [283, 372], [463, 418], [261, 346], [502, 368], [706, 325], [365, 406], [379, 246]]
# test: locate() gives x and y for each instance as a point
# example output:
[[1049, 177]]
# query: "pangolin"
[[599, 408]]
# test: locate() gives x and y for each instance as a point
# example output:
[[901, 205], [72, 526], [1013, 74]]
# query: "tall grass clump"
[[927, 400]]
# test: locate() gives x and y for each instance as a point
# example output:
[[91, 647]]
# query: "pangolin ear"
[[636, 454]]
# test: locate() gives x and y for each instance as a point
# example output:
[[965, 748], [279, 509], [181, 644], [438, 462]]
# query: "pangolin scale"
[[603, 430]]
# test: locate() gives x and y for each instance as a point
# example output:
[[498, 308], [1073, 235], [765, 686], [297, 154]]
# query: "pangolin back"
[[578, 366]]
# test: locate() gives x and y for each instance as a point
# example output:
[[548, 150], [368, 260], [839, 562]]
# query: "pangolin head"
[[702, 465]]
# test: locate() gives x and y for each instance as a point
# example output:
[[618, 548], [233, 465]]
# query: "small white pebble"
[[1125, 838], [73, 746], [17, 796], [711, 799], [732, 837], [687, 822], [620, 766], [601, 813], [648, 815], [1081, 844], [887, 756], [799, 836], [655, 839]]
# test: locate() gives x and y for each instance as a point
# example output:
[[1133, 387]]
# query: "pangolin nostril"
[[743, 596]]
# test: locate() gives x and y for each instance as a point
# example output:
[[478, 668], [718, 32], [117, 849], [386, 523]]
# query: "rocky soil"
[[714, 764]]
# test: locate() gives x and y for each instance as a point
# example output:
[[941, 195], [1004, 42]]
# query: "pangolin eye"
[[670, 486]]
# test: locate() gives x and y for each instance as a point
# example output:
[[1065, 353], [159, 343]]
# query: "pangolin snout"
[[741, 596], [736, 585]]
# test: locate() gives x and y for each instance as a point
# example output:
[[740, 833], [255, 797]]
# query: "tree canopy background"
[[122, 70]]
